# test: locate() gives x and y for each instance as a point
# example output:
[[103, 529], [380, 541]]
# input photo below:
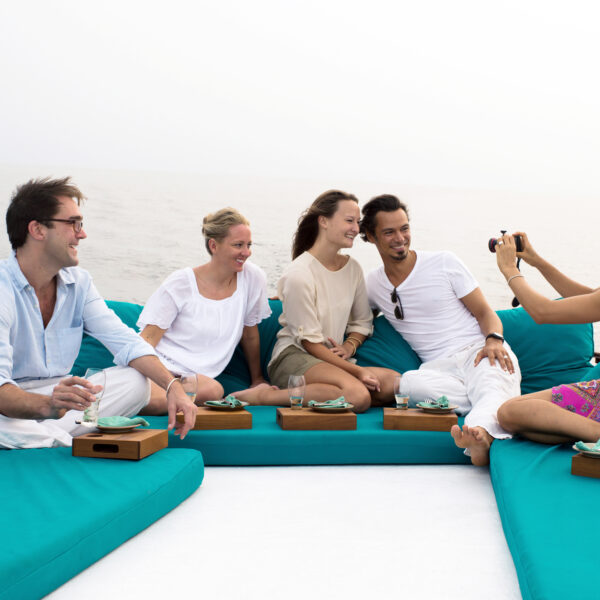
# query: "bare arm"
[[66, 395], [581, 308], [152, 334], [506, 257], [177, 400], [251, 346], [489, 322]]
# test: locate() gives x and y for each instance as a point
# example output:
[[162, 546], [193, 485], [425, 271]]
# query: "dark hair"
[[36, 200], [308, 223], [385, 203]]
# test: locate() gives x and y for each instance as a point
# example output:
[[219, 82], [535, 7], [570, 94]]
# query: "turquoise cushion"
[[387, 348], [548, 354], [591, 373], [267, 444], [548, 519], [94, 354], [60, 514]]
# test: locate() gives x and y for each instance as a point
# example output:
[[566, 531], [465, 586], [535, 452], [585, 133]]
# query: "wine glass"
[[296, 389], [90, 414], [189, 382]]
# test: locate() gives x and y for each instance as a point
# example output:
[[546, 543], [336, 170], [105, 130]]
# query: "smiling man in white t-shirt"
[[434, 302]]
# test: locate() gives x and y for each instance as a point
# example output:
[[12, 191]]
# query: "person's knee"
[[358, 395], [506, 416], [209, 389]]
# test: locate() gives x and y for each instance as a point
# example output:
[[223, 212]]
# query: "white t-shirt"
[[201, 334], [319, 303], [436, 323]]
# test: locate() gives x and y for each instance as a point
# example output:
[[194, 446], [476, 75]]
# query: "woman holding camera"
[[566, 412]]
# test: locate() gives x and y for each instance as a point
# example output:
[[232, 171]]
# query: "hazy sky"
[[463, 93]]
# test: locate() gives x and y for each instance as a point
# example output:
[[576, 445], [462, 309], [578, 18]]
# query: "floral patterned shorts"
[[581, 398]]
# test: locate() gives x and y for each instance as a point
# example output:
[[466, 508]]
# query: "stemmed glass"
[[189, 381], [90, 414], [296, 389]]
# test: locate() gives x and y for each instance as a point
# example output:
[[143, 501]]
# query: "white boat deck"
[[417, 532]]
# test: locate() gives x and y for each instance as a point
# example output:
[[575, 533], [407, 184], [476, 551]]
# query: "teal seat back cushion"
[[93, 353], [387, 348], [548, 354]]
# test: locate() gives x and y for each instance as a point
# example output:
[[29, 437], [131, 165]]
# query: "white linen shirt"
[[201, 334], [28, 350]]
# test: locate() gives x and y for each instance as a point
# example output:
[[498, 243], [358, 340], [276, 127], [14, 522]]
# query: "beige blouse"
[[319, 303]]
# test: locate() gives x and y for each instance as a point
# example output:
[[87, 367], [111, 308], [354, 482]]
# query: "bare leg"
[[350, 387], [208, 389], [535, 417], [385, 396], [477, 440], [267, 395]]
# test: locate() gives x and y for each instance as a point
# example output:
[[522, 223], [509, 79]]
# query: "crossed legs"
[[536, 417]]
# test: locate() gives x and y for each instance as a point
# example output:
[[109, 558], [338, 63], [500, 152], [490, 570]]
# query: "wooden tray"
[[305, 419], [585, 466], [414, 419], [133, 445], [206, 418]]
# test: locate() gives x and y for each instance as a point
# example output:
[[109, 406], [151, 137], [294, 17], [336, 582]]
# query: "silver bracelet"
[[170, 384], [513, 277]]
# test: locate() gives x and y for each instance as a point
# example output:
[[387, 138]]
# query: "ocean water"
[[141, 226]]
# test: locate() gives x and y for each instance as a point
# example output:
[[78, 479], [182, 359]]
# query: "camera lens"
[[492, 244]]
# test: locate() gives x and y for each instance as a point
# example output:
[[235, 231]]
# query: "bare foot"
[[477, 440], [256, 394]]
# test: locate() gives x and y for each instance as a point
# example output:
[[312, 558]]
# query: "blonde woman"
[[198, 315]]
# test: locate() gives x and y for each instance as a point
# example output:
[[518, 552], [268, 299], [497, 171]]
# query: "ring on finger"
[[500, 242]]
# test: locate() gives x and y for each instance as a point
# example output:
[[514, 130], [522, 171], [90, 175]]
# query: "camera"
[[518, 242]]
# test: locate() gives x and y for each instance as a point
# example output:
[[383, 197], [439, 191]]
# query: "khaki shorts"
[[292, 361]]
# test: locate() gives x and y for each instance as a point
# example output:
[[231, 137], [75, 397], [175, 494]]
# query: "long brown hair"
[[308, 223]]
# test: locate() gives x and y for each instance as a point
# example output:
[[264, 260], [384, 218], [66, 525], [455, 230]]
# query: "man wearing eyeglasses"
[[434, 302], [46, 304]]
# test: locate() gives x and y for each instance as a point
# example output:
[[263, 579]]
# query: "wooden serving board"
[[207, 418], [585, 466], [133, 445], [414, 419], [305, 419]]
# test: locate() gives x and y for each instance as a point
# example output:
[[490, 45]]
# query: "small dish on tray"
[[589, 453], [433, 408], [116, 429], [332, 409], [225, 406]]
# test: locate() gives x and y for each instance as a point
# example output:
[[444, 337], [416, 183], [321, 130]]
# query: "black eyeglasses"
[[398, 310], [76, 223]]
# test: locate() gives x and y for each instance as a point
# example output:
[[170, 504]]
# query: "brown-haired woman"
[[326, 313]]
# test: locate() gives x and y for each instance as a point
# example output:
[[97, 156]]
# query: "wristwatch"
[[494, 335]]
